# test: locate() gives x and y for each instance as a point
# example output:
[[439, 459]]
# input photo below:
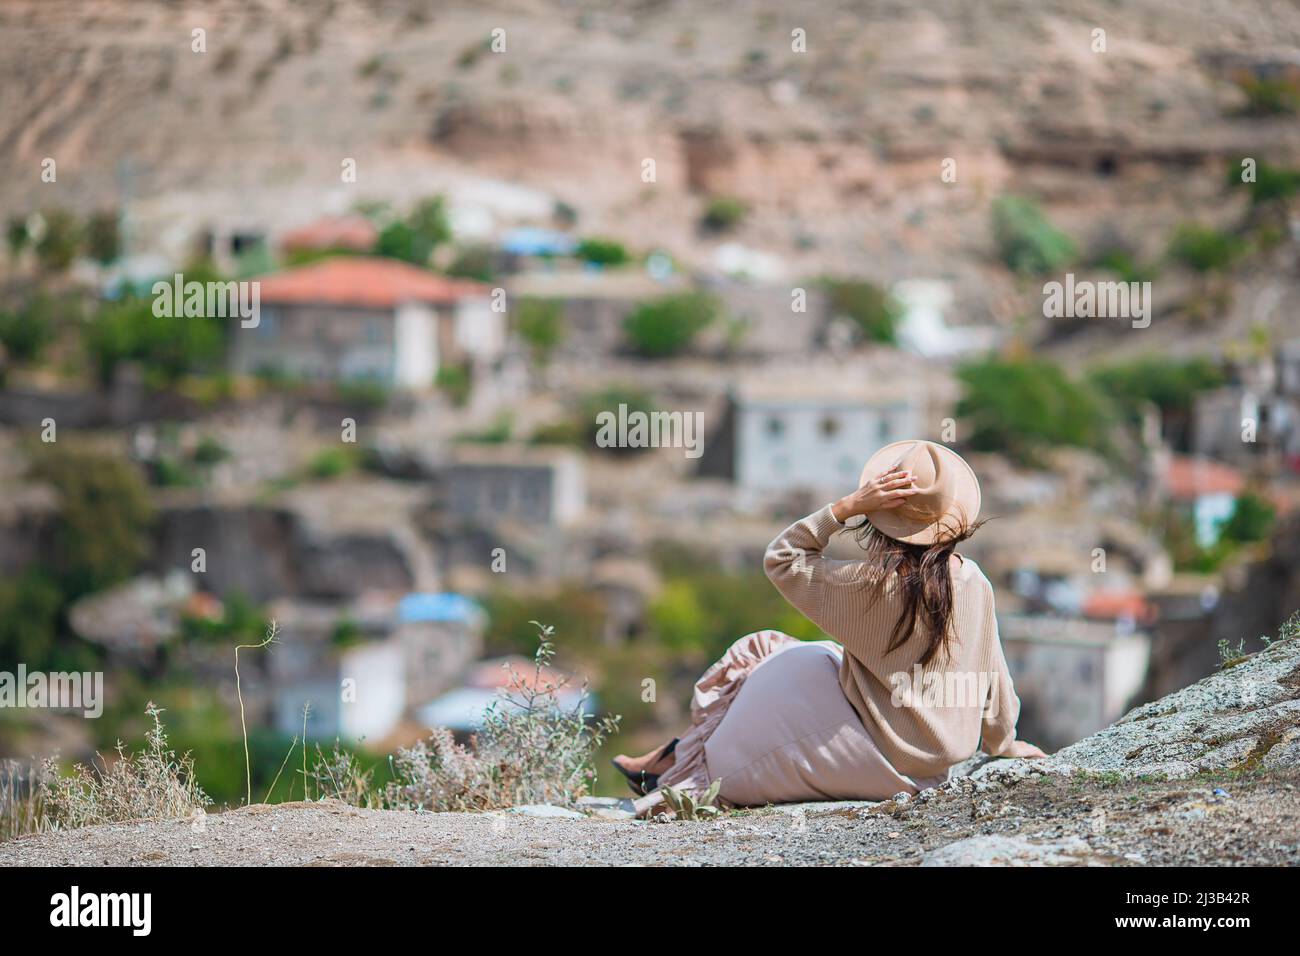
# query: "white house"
[[813, 433], [1073, 676]]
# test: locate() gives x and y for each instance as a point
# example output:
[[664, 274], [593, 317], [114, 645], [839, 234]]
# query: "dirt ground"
[[1042, 820]]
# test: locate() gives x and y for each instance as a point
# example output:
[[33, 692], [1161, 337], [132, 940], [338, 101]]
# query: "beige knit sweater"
[[923, 721]]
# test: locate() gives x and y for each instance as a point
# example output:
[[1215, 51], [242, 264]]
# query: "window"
[[775, 426], [830, 427]]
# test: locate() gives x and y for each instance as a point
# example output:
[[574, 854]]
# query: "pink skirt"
[[770, 720]]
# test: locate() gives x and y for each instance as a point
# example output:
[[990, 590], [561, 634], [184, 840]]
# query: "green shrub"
[[102, 531], [1272, 183], [168, 348], [1027, 242], [1204, 249], [25, 333], [540, 323], [1022, 407], [60, 241], [103, 240], [414, 238], [329, 463], [1170, 384], [456, 382], [604, 252], [723, 213], [1251, 520], [666, 327], [875, 314]]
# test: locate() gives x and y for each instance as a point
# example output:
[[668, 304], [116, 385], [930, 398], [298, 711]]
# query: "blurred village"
[[398, 462], [200, 479]]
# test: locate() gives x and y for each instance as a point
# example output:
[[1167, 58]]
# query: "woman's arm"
[[823, 588]]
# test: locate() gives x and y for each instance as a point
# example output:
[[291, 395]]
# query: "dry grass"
[[153, 784]]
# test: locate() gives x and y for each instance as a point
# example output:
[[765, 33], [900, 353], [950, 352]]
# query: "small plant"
[[603, 252], [1230, 656], [666, 327], [687, 807], [723, 214], [1028, 242], [531, 750], [154, 784]]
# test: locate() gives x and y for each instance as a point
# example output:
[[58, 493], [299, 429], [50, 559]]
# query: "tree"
[[666, 327]]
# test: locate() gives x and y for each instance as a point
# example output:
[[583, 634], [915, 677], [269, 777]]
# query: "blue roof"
[[439, 607], [532, 241]]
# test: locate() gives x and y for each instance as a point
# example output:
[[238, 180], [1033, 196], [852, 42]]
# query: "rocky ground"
[[1209, 775], [1040, 820]]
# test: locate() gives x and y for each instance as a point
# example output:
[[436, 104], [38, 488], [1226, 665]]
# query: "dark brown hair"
[[924, 582]]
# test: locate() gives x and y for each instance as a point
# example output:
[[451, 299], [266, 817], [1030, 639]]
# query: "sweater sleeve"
[[1002, 706], [823, 589]]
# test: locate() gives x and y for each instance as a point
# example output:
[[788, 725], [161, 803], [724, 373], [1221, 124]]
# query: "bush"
[[103, 240], [101, 534], [723, 213], [1022, 407], [530, 750], [1204, 249], [30, 606], [603, 252], [1272, 183], [24, 334], [608, 400], [540, 323], [667, 326], [329, 463], [60, 241], [168, 348], [456, 382], [154, 784], [875, 314], [1027, 242], [1169, 384], [414, 238], [1251, 520]]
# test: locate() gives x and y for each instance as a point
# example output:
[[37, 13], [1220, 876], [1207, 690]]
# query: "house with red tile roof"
[[352, 318], [351, 233]]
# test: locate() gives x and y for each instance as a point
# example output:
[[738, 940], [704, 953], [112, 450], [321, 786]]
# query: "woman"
[[913, 683]]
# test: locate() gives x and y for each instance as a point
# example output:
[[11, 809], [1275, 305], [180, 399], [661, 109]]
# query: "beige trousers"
[[770, 720]]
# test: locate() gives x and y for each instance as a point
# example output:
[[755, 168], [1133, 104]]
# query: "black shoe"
[[640, 781]]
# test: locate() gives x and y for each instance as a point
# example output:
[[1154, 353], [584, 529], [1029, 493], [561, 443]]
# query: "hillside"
[[837, 149], [1206, 776]]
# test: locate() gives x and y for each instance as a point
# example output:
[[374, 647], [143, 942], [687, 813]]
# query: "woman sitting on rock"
[[914, 681]]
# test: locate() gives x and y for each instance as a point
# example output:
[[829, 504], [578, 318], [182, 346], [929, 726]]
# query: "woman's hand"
[[888, 490], [1023, 748]]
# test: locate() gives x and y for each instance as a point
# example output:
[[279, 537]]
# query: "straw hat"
[[947, 492]]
